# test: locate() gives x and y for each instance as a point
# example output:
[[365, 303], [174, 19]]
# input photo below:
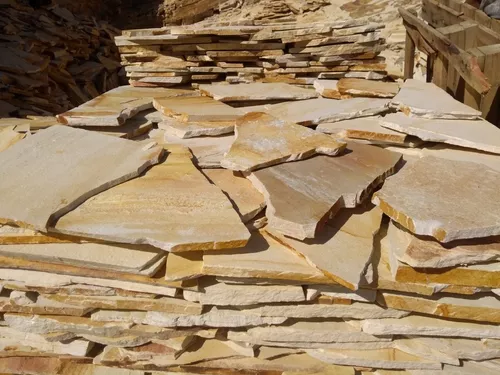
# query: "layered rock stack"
[[259, 229]]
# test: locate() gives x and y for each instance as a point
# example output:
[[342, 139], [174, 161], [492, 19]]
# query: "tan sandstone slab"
[[301, 196], [161, 203], [353, 230], [341, 292], [476, 134], [467, 368], [367, 88], [256, 91], [368, 128], [134, 127], [193, 129], [434, 197], [263, 140], [327, 88], [316, 111], [184, 266], [64, 161], [200, 108], [414, 100], [43, 306], [8, 137], [445, 151], [247, 201]]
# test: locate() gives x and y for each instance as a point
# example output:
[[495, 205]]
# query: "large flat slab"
[[263, 140], [421, 99], [256, 91], [436, 197], [462, 154], [367, 88], [302, 195], [161, 204], [192, 129], [69, 166], [475, 134]]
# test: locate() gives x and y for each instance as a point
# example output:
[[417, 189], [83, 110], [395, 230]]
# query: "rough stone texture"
[[8, 137], [42, 306], [160, 204], [66, 173], [193, 129], [263, 140], [352, 230], [338, 291], [301, 196], [413, 100], [461, 154], [247, 201], [316, 111], [368, 128], [327, 88], [367, 88], [475, 134], [256, 91]]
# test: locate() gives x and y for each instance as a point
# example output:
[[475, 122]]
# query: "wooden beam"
[[466, 64], [409, 56]]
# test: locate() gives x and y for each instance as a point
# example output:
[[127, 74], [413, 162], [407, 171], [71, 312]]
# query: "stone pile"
[[245, 52], [309, 236]]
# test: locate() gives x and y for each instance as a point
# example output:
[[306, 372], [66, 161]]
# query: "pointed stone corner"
[[414, 100], [301, 196], [432, 197], [263, 140]]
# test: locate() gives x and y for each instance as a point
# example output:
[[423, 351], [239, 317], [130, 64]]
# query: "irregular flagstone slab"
[[316, 111], [165, 200], [247, 201], [415, 325], [327, 88], [381, 358], [116, 106], [132, 128], [8, 137], [196, 129], [198, 108], [263, 140], [184, 266], [475, 134], [42, 306], [483, 309], [467, 368], [10, 235], [66, 181], [368, 128], [262, 258], [461, 154], [352, 230], [302, 195], [338, 291], [413, 100], [414, 347], [367, 88], [420, 253], [439, 211], [256, 91]]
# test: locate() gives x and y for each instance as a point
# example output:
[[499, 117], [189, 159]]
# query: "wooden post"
[[409, 57]]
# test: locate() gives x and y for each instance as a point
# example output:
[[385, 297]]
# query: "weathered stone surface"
[[42, 305], [367, 88], [413, 100], [256, 91], [200, 108], [8, 137], [247, 201], [316, 111], [421, 253], [339, 291], [467, 368], [437, 210], [381, 358], [38, 364], [134, 127], [462, 154], [193, 129], [475, 134], [352, 230], [66, 181], [301, 196], [429, 326], [263, 140], [262, 258], [327, 88], [184, 266], [368, 128], [160, 205], [11, 235]]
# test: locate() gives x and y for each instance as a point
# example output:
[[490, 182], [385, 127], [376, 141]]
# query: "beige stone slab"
[[446, 219], [368, 128], [161, 204], [262, 258], [449, 152], [192, 129], [416, 346], [327, 88], [353, 230], [199, 109], [42, 306], [116, 106], [367, 88], [413, 100], [381, 358], [256, 91], [301, 196], [247, 201], [475, 134], [134, 127], [263, 140], [66, 181], [184, 266], [467, 368], [415, 325], [339, 291], [316, 111], [8, 137]]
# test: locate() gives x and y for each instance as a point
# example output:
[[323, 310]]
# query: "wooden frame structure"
[[463, 52]]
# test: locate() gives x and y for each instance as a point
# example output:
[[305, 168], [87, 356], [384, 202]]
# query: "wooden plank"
[[468, 10], [471, 97], [490, 105], [409, 57], [482, 18], [455, 83], [440, 71], [439, 15]]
